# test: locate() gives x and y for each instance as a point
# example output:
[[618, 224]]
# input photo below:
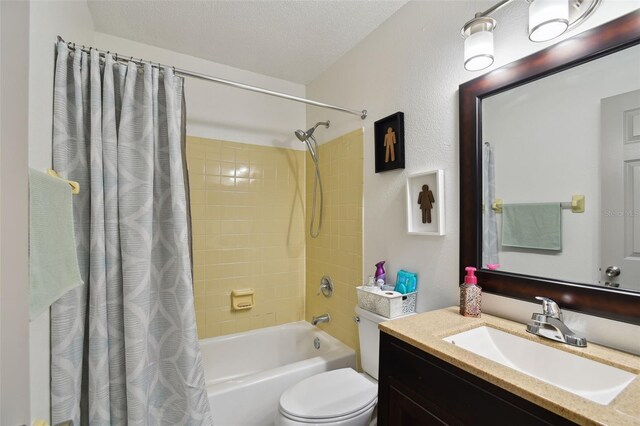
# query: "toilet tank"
[[370, 340]]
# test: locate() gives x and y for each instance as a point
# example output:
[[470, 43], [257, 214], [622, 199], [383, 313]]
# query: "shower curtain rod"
[[186, 73]]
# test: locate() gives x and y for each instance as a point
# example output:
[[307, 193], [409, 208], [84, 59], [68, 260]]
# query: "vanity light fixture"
[[548, 19], [478, 43]]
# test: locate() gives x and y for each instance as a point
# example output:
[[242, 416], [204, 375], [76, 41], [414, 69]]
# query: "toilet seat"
[[332, 396], [332, 420]]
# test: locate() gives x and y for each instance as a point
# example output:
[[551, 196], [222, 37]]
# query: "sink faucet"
[[549, 324], [320, 318]]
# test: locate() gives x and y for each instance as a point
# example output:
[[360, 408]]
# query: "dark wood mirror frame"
[[616, 304]]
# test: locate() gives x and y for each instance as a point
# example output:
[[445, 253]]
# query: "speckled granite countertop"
[[425, 331]]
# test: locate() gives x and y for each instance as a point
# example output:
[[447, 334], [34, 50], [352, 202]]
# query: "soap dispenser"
[[470, 294]]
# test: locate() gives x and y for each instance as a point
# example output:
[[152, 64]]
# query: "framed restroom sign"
[[389, 142]]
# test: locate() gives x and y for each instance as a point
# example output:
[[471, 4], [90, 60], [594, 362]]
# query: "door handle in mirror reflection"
[[612, 271]]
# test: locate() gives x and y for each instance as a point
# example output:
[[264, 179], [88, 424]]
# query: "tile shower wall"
[[337, 251], [247, 207]]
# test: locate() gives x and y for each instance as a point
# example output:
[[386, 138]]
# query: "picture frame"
[[389, 142], [425, 206]]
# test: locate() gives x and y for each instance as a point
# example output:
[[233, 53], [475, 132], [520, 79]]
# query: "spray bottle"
[[380, 273]]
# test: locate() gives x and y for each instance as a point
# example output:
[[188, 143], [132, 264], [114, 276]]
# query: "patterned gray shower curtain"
[[489, 221], [124, 347]]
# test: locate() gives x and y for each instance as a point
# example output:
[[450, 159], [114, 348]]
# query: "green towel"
[[532, 226], [53, 263]]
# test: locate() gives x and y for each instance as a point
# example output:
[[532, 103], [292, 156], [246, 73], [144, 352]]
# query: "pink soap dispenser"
[[470, 294]]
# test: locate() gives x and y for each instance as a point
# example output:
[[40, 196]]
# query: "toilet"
[[338, 397]]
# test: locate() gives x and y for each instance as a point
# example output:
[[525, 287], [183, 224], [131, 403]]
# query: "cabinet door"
[[440, 393], [404, 411]]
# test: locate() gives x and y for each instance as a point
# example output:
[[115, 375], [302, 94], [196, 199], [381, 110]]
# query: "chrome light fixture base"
[[580, 11], [477, 24]]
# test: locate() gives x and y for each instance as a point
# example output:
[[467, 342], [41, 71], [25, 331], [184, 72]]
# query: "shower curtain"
[[124, 347], [489, 221]]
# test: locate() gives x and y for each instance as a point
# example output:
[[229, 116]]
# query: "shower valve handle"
[[326, 286]]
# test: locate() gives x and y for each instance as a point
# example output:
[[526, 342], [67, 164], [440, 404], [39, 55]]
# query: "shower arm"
[[321, 123]]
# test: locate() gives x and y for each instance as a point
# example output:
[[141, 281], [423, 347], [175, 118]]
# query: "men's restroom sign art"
[[389, 142]]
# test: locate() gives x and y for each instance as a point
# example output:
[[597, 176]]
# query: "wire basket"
[[386, 303]]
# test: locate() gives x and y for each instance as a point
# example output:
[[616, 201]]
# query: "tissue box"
[[386, 303]]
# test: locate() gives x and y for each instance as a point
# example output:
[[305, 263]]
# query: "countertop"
[[425, 331]]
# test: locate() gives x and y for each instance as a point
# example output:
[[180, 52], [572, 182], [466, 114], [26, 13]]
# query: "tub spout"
[[320, 318]]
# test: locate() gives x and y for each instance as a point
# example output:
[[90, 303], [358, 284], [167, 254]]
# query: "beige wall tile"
[[246, 233], [337, 252]]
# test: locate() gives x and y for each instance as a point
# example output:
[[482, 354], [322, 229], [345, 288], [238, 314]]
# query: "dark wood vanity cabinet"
[[416, 388]]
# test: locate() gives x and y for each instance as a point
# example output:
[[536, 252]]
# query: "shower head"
[[303, 136]]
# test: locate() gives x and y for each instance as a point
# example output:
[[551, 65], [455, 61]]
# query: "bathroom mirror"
[[503, 108]]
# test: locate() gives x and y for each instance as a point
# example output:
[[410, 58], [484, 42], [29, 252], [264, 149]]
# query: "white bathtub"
[[247, 372]]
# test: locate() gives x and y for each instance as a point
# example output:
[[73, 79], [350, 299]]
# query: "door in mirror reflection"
[[620, 144]]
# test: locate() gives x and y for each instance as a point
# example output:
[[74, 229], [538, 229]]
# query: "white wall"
[[14, 219], [413, 63], [215, 111], [48, 19], [546, 141]]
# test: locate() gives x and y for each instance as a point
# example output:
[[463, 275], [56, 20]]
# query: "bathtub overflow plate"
[[316, 343]]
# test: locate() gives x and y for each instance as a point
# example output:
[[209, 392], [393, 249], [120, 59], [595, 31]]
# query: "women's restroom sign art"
[[389, 142], [426, 200]]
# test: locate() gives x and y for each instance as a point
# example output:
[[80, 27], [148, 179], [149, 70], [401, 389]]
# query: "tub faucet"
[[320, 318], [549, 324]]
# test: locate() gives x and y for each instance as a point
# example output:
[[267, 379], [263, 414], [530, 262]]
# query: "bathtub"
[[247, 372]]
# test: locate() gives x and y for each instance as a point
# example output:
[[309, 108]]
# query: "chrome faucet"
[[320, 318], [549, 324]]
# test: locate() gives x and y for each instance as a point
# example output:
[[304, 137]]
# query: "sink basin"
[[589, 379]]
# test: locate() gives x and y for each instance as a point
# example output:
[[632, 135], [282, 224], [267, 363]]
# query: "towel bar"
[[75, 186], [576, 205]]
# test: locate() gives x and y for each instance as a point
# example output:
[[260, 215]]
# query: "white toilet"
[[338, 397]]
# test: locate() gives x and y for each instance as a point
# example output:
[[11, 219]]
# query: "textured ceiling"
[[292, 40]]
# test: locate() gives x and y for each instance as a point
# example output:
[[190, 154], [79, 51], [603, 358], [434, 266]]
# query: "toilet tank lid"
[[371, 316], [331, 394]]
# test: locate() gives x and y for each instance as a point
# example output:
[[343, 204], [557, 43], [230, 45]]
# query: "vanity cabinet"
[[416, 388]]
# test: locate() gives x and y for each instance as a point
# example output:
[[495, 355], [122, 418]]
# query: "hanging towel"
[[53, 263], [532, 226]]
